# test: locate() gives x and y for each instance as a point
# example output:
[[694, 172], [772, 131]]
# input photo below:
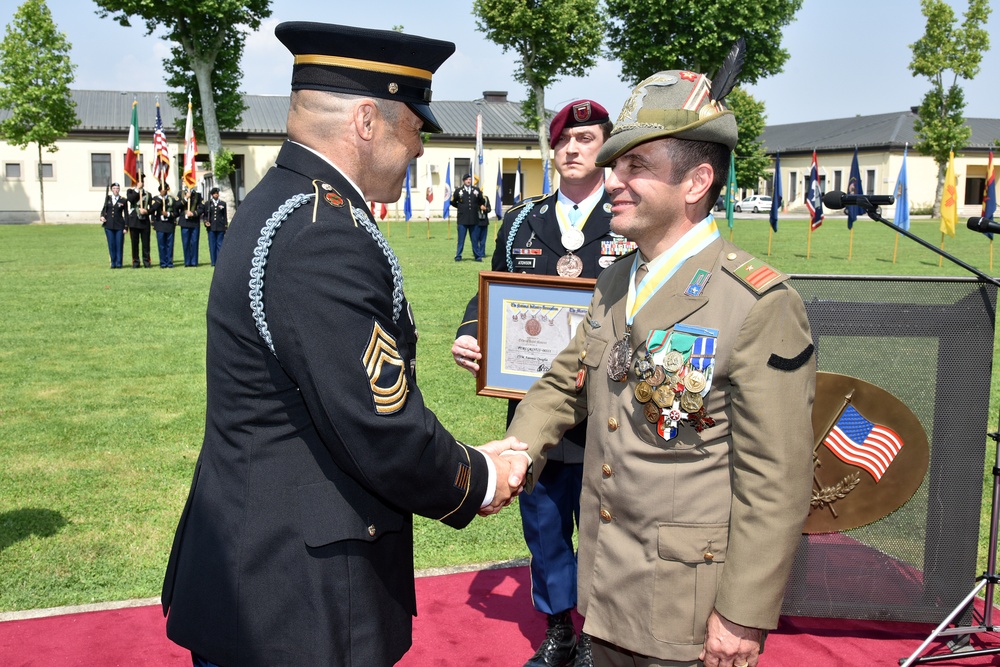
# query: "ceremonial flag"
[[161, 151], [384, 211], [814, 197], [477, 172], [902, 216], [132, 147], [447, 192], [990, 194], [731, 189], [854, 188], [949, 201], [859, 442], [498, 198], [407, 204], [517, 183], [191, 150], [777, 199], [546, 185]]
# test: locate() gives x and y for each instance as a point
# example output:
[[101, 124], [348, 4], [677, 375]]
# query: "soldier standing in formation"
[[190, 210], [138, 222], [114, 216], [164, 212], [216, 222]]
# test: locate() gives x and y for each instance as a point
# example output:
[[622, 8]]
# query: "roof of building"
[[888, 131], [111, 111]]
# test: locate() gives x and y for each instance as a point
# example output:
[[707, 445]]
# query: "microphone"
[[837, 199], [983, 225]]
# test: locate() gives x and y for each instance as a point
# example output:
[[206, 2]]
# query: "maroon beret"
[[575, 114]]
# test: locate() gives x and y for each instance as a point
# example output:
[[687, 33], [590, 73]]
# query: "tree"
[[553, 38], [650, 36], [752, 160], [208, 38], [947, 51], [35, 73]]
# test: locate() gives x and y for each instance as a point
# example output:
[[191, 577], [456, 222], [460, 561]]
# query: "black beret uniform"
[[295, 546]]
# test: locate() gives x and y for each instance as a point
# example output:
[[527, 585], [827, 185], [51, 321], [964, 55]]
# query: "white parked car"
[[756, 203]]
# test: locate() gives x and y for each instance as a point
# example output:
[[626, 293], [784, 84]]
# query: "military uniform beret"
[[576, 114]]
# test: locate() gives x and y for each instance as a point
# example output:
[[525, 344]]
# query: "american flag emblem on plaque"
[[859, 442]]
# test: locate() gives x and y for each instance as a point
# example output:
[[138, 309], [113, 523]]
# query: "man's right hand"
[[465, 351]]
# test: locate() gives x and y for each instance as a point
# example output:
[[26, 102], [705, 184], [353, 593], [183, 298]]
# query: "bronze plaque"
[[870, 454]]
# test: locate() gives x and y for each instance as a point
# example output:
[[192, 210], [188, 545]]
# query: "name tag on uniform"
[[524, 263]]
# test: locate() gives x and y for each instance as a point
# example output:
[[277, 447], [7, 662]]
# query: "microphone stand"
[[989, 579], [875, 213]]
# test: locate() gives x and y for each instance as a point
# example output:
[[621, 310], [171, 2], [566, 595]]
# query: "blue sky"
[[847, 61]]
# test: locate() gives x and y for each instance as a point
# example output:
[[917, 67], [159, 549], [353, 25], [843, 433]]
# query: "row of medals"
[[569, 265], [661, 388]]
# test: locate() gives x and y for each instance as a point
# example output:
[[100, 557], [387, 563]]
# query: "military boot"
[[584, 656], [559, 646]]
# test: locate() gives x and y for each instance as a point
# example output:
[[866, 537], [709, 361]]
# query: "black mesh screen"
[[930, 343]]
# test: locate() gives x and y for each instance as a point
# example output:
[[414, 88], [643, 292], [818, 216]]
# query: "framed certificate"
[[524, 322]]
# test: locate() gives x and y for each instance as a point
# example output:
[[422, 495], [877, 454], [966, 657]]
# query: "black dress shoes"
[[559, 646]]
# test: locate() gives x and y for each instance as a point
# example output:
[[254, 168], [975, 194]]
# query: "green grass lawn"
[[102, 393]]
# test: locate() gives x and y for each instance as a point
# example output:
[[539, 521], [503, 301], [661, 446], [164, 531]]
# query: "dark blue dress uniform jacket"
[[295, 546], [540, 228]]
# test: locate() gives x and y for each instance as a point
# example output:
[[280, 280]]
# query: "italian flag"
[[132, 147]]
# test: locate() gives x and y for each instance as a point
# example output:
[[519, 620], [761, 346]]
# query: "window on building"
[[463, 166], [48, 171], [12, 171], [100, 170], [869, 181], [793, 186], [822, 182], [974, 190], [413, 175], [838, 177]]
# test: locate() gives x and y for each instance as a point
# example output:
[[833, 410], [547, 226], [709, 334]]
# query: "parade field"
[[102, 392]]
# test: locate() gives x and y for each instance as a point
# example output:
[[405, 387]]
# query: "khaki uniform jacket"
[[671, 529]]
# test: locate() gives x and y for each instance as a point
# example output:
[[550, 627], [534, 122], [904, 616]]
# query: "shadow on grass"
[[17, 525]]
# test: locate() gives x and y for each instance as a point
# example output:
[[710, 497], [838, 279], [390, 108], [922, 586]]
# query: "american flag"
[[859, 442], [161, 152]]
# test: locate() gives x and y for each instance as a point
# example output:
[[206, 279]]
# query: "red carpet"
[[473, 618]]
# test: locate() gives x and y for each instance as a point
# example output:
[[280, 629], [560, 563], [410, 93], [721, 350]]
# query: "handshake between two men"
[[511, 468]]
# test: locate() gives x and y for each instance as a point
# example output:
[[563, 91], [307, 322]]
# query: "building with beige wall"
[[76, 176], [880, 140]]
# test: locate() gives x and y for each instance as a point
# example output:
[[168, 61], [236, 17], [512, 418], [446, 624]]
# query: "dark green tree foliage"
[[946, 53], [229, 106], [649, 36], [751, 159], [35, 75], [208, 38], [552, 38]]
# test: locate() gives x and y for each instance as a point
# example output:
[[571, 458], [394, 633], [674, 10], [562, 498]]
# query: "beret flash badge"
[[581, 112], [386, 373]]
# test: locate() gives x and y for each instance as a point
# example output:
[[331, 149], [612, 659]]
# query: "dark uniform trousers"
[[115, 214], [190, 227], [550, 512], [138, 227]]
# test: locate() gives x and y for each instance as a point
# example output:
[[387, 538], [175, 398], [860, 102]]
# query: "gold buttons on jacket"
[[709, 556], [605, 515], [606, 469], [371, 530], [612, 424], [731, 256], [583, 355]]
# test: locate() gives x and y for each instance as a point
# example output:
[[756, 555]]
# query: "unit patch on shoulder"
[[757, 275], [386, 373]]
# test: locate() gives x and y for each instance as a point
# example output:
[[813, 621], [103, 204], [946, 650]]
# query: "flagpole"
[[810, 241], [770, 236], [991, 255], [850, 247], [941, 258], [895, 249]]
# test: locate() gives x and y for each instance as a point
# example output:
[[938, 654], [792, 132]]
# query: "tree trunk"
[[41, 183], [203, 73], [543, 127], [939, 190]]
